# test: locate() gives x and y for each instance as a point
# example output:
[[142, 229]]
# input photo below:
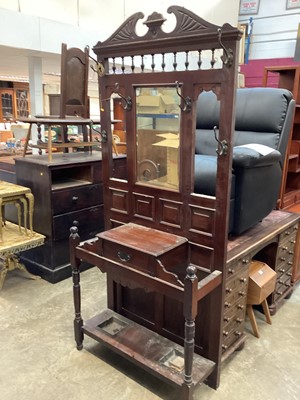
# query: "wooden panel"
[[170, 212], [119, 200], [144, 206], [202, 219]]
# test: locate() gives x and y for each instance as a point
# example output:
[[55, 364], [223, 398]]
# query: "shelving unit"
[[288, 77]]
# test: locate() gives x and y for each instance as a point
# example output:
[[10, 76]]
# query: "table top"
[[59, 121], [10, 189], [14, 242]]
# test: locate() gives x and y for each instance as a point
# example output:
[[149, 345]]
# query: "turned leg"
[[25, 212], [190, 312], [19, 212], [1, 219], [30, 199], [74, 241]]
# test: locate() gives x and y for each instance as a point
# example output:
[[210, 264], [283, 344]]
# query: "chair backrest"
[[74, 82], [263, 116]]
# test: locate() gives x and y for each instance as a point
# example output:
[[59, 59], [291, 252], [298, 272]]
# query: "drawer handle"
[[124, 256], [74, 199]]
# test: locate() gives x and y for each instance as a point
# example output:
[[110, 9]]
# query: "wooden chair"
[[74, 100]]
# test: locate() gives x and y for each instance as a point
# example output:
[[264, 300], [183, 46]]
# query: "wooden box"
[[262, 280], [145, 249]]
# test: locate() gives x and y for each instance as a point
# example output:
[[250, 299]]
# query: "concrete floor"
[[39, 360]]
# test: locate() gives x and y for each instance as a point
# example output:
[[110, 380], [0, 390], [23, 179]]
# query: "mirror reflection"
[[207, 117], [158, 136]]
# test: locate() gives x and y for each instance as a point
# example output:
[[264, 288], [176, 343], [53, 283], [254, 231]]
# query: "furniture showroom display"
[[165, 247]]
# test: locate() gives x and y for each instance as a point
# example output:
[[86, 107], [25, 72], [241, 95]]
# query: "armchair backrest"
[[263, 116]]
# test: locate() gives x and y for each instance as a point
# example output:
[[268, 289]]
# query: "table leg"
[[30, 199], [28, 136], [266, 311], [10, 262], [1, 221], [25, 211], [18, 207], [251, 315], [3, 272]]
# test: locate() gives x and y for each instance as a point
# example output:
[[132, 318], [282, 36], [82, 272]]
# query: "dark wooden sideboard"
[[67, 189]]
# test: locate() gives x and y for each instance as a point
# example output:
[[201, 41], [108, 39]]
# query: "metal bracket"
[[227, 56], [187, 101], [222, 149], [127, 101], [103, 134]]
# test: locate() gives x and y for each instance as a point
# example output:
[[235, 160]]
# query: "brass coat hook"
[[127, 101], [187, 101]]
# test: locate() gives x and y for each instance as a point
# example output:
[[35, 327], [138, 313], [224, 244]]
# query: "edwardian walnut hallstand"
[[164, 249]]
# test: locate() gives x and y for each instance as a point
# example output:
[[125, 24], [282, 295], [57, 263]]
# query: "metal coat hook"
[[187, 101], [99, 67], [222, 149], [128, 102], [227, 56]]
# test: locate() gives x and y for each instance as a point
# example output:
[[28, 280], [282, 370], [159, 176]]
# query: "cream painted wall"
[[43, 24], [274, 30]]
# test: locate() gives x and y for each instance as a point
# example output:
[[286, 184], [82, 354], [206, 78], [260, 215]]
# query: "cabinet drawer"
[[289, 235], [237, 267], [69, 200], [173, 261], [90, 220]]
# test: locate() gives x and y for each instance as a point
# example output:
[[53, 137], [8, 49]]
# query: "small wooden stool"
[[262, 280]]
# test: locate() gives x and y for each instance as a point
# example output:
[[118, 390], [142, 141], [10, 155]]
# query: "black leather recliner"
[[264, 116]]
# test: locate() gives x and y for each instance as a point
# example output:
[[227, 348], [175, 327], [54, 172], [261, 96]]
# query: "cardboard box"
[[156, 104]]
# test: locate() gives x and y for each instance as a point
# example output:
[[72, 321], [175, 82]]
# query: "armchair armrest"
[[253, 155]]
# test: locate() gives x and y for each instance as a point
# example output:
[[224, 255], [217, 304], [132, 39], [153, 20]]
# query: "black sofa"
[[264, 116]]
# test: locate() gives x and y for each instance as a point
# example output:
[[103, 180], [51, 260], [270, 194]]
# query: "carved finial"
[[191, 272], [154, 22], [74, 230]]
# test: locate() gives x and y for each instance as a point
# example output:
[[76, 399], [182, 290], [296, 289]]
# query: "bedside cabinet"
[[67, 189]]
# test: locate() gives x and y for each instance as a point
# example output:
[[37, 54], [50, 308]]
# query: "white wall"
[[274, 30], [44, 24]]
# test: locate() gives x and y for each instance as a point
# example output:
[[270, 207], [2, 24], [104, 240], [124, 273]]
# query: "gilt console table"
[[16, 194], [13, 243]]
